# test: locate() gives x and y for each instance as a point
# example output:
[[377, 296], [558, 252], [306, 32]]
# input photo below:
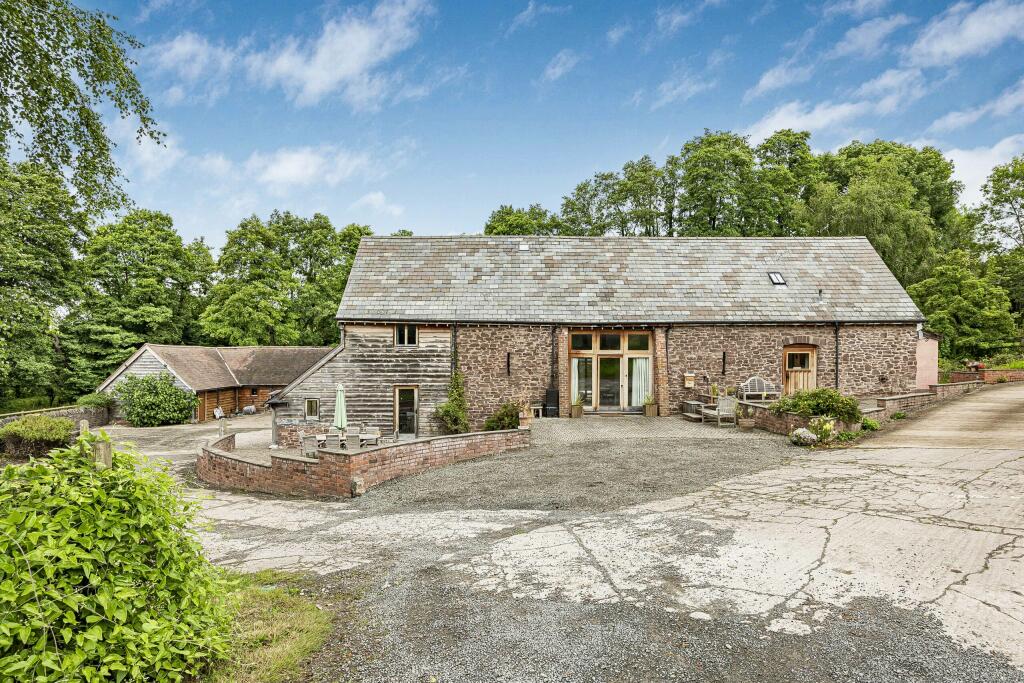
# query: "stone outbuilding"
[[611, 322], [228, 377]]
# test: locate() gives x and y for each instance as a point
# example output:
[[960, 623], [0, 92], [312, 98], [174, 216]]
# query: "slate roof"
[[211, 367], [621, 280]]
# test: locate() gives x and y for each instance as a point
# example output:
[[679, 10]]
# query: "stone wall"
[[500, 364], [872, 358], [97, 417], [336, 474], [987, 376]]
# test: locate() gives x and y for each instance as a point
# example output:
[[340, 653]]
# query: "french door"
[[610, 369], [406, 411]]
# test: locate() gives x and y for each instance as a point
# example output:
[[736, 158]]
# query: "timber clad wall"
[[369, 367], [872, 358], [500, 364], [148, 364]]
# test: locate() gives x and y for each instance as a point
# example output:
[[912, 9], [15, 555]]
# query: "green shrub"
[[898, 415], [870, 425], [454, 413], [153, 400], [847, 436], [506, 417], [19, 405], [824, 428], [824, 402], [97, 400], [101, 577], [36, 435], [1001, 379]]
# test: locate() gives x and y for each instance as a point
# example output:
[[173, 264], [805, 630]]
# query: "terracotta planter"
[[651, 410], [577, 411], [745, 424], [525, 418]]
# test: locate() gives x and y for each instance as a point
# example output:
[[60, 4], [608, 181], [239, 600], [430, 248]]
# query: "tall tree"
[[535, 220], [970, 312], [1003, 204], [41, 227], [717, 182], [141, 283], [59, 65], [786, 172]]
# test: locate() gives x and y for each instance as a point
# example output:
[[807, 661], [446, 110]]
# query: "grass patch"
[[275, 630]]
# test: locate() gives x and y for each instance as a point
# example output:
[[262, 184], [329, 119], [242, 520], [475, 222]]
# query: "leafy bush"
[[898, 415], [98, 400], [1001, 379], [870, 425], [846, 436], [454, 413], [101, 578], [153, 400], [35, 435], [18, 405], [824, 402], [506, 417], [824, 428]]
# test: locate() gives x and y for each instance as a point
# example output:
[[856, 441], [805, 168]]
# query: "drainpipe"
[[552, 383], [455, 347], [836, 323]]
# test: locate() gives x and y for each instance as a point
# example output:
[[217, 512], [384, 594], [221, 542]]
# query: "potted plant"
[[650, 407], [577, 406], [525, 414], [745, 418]]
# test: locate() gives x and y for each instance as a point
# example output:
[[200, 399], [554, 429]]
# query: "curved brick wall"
[[336, 474]]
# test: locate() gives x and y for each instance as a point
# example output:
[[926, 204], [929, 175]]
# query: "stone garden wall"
[[97, 417], [987, 376]]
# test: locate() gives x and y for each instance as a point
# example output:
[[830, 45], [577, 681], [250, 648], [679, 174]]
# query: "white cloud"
[[668, 20], [378, 203], [857, 8], [616, 33], [561, 64], [534, 10], [150, 8], [868, 39], [199, 69], [679, 88], [894, 89], [215, 164], [966, 31], [347, 56], [783, 74], [1009, 102], [972, 166], [801, 116], [298, 166]]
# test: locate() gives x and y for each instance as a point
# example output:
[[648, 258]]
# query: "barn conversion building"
[[228, 377], [611, 323]]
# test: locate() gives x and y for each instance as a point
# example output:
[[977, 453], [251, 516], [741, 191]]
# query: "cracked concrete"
[[933, 525]]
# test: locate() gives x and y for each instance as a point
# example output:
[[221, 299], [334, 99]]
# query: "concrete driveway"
[[901, 559], [178, 443]]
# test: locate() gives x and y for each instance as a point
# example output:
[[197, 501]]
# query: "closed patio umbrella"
[[340, 415]]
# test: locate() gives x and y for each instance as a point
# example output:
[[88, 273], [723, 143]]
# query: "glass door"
[[609, 383], [405, 411]]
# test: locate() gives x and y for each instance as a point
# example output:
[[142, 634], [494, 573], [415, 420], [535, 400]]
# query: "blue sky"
[[427, 115]]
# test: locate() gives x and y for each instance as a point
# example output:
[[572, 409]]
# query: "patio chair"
[[370, 436], [308, 444], [723, 411], [758, 386], [333, 441]]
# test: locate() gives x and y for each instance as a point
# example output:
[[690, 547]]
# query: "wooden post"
[[103, 455], [83, 427]]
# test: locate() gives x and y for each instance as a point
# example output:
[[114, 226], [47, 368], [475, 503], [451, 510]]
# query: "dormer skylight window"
[[776, 278]]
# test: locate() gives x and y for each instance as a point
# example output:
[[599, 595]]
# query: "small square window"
[[582, 342], [405, 335], [254, 391], [776, 278], [312, 409], [611, 342]]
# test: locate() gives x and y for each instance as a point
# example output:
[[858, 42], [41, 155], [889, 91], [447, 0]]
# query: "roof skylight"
[[776, 278]]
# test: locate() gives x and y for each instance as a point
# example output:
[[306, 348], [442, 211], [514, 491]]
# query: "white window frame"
[[405, 329], [305, 408]]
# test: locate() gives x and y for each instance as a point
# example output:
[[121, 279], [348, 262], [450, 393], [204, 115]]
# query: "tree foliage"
[[454, 413], [101, 576], [59, 66], [970, 312], [154, 400], [1004, 203]]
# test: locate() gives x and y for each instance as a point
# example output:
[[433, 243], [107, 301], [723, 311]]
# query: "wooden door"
[[799, 368], [406, 411]]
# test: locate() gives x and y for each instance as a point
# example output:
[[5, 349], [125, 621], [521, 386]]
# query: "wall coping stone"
[[895, 397]]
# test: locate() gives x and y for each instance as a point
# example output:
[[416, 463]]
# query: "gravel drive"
[[681, 553]]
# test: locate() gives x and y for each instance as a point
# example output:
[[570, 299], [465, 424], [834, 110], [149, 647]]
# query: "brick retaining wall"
[[97, 417], [337, 474], [986, 376]]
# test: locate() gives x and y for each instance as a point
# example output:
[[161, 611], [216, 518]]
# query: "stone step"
[[692, 417]]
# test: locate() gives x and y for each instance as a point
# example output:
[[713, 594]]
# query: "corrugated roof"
[[621, 280], [209, 367]]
